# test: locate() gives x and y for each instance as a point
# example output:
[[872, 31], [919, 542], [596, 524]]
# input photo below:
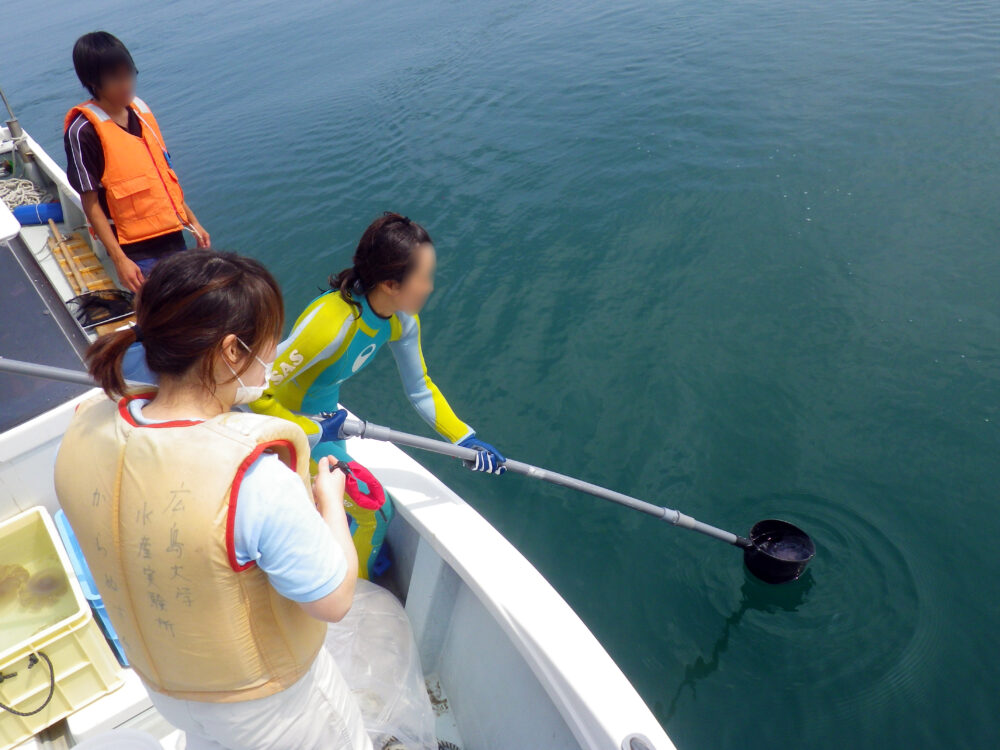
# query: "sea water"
[[737, 258]]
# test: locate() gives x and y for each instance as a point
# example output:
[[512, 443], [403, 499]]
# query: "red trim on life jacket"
[[127, 415], [234, 495]]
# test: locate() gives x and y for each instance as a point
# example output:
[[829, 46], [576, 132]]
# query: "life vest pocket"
[[128, 187], [133, 200]]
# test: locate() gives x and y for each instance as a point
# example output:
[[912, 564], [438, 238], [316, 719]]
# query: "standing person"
[[118, 161], [372, 303], [219, 572]]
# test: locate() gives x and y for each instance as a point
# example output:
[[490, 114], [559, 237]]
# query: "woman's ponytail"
[[344, 282], [104, 360], [384, 253]]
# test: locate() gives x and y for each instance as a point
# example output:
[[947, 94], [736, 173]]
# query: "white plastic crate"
[[45, 614]]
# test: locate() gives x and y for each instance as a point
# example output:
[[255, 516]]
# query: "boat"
[[508, 663]]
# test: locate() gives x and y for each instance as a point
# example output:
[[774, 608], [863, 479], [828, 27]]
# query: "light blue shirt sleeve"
[[278, 527], [425, 396]]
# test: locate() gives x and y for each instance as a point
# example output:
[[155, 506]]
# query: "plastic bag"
[[375, 651]]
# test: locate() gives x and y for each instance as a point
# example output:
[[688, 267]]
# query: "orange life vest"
[[144, 196]]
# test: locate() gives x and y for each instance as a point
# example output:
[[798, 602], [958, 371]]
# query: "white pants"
[[316, 713]]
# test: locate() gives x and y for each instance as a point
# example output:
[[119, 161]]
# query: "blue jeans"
[[159, 247], [146, 265]]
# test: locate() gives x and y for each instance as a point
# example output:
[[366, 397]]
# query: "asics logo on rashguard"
[[286, 368], [365, 355]]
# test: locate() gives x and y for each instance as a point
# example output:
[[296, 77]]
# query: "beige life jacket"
[[153, 507]]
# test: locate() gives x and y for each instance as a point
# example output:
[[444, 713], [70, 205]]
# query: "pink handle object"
[[375, 497]]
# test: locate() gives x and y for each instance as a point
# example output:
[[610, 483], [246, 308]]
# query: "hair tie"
[[393, 216], [138, 332]]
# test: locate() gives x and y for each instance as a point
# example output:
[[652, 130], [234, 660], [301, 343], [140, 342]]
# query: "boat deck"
[[129, 707]]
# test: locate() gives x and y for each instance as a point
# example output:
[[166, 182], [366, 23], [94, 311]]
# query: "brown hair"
[[384, 253], [190, 302]]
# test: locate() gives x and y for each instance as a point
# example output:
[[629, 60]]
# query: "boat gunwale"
[[601, 706]]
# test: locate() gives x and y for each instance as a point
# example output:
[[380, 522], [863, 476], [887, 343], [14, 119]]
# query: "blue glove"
[[330, 423], [488, 458]]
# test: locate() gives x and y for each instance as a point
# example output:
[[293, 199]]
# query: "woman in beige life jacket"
[[219, 562]]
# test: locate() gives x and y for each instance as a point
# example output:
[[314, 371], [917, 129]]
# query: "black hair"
[[188, 305], [97, 54], [385, 253]]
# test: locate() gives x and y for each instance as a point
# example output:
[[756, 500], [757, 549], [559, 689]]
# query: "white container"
[[45, 614]]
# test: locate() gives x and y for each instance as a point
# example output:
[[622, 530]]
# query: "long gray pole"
[[354, 427], [17, 367], [359, 428], [50, 372]]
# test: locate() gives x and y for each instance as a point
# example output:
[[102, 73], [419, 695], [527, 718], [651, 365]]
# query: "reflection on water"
[[755, 595]]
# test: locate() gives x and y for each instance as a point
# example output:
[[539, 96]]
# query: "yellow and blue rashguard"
[[329, 343]]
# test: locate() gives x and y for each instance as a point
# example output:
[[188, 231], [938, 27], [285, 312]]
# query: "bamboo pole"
[[69, 257]]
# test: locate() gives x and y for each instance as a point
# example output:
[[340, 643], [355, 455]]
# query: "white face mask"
[[246, 394]]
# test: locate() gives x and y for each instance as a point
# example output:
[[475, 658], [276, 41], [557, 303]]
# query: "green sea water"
[[738, 258]]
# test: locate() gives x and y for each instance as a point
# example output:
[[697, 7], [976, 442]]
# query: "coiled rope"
[[16, 191]]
